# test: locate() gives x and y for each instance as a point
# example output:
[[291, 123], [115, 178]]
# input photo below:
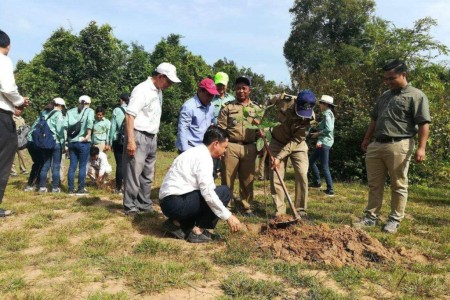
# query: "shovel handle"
[[291, 204]]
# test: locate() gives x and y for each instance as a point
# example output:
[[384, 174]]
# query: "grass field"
[[61, 247]]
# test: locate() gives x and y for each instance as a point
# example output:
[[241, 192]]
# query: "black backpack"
[[74, 130], [121, 132], [42, 136]]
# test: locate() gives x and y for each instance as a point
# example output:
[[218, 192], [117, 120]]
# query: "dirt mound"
[[337, 247]]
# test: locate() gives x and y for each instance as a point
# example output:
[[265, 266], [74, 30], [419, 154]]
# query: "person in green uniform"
[[399, 114], [79, 144], [100, 132], [52, 157], [116, 137], [325, 136]]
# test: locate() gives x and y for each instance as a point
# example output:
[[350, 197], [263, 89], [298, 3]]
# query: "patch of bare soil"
[[337, 247]]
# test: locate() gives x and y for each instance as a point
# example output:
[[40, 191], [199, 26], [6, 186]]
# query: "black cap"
[[243, 79]]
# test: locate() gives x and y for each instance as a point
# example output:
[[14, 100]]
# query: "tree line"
[[336, 47]]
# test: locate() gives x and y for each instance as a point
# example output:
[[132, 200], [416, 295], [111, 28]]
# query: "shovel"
[[297, 217]]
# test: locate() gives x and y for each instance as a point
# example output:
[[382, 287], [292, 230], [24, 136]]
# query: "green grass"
[[56, 246]]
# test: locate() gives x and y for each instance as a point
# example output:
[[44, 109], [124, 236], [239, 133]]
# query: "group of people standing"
[[216, 133]]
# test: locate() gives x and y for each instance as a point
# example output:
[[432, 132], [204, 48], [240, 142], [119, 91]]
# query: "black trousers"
[[37, 156], [192, 210], [8, 147], [118, 154]]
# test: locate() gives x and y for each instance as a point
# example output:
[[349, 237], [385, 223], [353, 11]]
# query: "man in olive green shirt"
[[399, 114]]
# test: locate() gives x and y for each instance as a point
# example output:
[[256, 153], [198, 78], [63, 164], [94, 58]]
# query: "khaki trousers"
[[21, 158], [239, 160], [300, 163], [393, 159], [101, 146]]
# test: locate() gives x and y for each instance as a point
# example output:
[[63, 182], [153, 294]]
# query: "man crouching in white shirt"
[[98, 168], [188, 195]]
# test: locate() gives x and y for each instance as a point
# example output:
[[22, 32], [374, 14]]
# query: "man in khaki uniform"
[[21, 152], [241, 153], [288, 141]]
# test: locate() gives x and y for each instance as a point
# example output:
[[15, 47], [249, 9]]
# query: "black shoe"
[[315, 185], [329, 193], [5, 213], [173, 229], [212, 236], [82, 192], [198, 238]]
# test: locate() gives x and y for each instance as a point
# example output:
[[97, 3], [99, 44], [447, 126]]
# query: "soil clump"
[[336, 247]]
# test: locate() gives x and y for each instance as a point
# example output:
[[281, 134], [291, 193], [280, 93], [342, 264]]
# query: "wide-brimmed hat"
[[327, 99], [59, 101], [209, 86], [305, 104], [169, 70]]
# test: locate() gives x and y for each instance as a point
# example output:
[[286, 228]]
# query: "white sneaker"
[[28, 189], [43, 190]]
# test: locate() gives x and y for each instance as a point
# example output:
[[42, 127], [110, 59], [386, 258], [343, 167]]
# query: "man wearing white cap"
[[142, 124]]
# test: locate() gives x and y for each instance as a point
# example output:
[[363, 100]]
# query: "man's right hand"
[[234, 224], [131, 148], [364, 145]]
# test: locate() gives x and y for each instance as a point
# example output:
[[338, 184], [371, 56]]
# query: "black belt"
[[241, 143], [387, 139], [6, 112]]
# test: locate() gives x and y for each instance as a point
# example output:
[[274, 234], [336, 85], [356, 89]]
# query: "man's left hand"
[[420, 155], [275, 163]]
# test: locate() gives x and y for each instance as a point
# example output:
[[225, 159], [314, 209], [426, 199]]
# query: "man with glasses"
[[399, 114], [142, 124]]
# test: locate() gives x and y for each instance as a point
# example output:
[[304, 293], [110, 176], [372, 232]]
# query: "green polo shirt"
[[118, 117], [326, 128], [218, 103], [398, 114], [100, 132], [73, 116]]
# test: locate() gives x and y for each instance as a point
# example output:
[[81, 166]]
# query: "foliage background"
[[336, 47]]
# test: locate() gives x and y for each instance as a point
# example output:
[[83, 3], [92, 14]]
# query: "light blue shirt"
[[326, 128], [218, 103], [193, 121]]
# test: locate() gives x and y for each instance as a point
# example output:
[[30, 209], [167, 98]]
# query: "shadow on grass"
[[149, 224], [430, 200]]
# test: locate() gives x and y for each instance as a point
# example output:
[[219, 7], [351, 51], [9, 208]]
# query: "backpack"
[[42, 136], [74, 130], [121, 132], [22, 136]]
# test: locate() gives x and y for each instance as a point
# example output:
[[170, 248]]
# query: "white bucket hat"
[[169, 70], [327, 99]]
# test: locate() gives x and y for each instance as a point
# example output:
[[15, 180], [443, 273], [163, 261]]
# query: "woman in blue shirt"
[[79, 143], [324, 143]]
